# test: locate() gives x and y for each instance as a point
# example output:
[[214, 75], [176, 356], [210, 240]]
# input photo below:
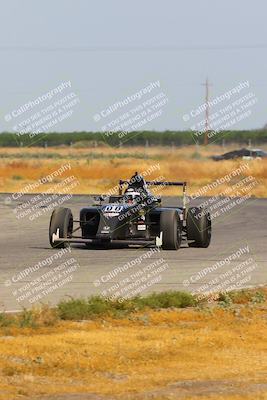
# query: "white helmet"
[[131, 195]]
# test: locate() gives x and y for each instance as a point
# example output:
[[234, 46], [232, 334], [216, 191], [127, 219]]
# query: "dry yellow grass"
[[97, 175], [219, 354]]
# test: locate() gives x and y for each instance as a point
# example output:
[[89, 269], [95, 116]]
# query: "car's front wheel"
[[61, 222], [171, 229], [198, 224]]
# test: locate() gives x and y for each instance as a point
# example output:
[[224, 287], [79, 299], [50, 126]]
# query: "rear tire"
[[171, 229], [61, 219], [198, 224]]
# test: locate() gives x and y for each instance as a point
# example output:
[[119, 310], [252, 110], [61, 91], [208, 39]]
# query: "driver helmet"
[[131, 195]]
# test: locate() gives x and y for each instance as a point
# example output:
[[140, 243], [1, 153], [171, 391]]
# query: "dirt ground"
[[211, 353]]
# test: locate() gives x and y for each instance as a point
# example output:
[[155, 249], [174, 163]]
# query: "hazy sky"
[[110, 49]]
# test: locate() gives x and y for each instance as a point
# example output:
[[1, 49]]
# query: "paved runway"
[[32, 272]]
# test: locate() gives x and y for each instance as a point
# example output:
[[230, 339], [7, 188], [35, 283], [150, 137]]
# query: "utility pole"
[[207, 122]]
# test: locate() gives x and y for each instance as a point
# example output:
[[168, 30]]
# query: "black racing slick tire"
[[61, 219], [198, 223], [171, 229]]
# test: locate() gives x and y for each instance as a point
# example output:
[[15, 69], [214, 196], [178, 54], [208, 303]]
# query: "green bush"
[[245, 296], [5, 320], [78, 309], [167, 299], [27, 319], [73, 309], [225, 300], [258, 297], [94, 306]]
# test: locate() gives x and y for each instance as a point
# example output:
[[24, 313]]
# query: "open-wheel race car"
[[133, 217]]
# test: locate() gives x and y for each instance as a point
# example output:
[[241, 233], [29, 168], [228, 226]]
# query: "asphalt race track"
[[32, 272]]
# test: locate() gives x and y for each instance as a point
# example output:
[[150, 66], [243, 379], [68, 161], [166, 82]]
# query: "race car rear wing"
[[166, 183], [156, 183]]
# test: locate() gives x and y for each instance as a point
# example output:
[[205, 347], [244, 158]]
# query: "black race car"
[[246, 154], [133, 217]]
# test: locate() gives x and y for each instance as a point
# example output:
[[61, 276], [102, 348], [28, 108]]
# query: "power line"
[[194, 84], [120, 48]]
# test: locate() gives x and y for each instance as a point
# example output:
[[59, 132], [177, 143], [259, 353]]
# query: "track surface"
[[24, 244]]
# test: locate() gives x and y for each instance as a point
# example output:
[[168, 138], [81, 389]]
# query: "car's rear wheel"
[[171, 229], [62, 220], [198, 224]]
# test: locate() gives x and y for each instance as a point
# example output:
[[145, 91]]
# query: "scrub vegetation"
[[143, 349]]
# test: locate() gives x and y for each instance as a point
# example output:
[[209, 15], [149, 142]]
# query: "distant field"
[[99, 168]]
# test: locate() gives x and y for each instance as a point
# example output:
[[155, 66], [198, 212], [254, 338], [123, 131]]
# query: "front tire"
[[198, 224], [171, 229], [61, 219]]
